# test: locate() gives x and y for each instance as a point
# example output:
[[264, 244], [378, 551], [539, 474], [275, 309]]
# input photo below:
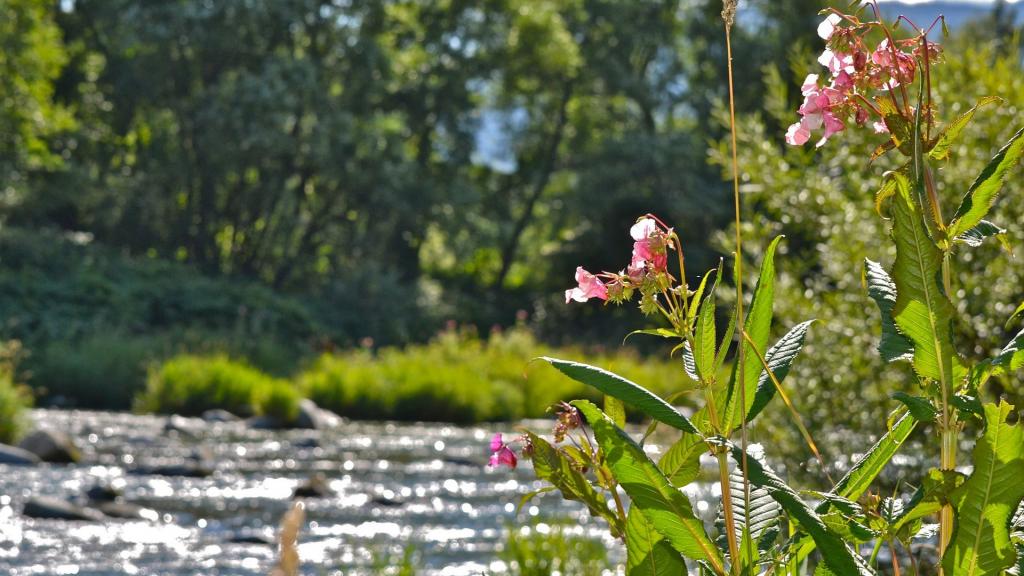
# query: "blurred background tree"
[[273, 179]]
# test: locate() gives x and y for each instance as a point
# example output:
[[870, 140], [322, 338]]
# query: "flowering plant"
[[880, 81]]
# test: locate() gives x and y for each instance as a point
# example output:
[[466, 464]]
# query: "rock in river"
[[51, 446], [54, 508], [17, 456]]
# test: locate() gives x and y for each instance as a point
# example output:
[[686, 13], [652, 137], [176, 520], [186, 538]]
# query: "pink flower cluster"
[[855, 76], [649, 262], [501, 453]]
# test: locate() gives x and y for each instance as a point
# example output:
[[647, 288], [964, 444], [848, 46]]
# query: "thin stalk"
[[895, 560], [730, 518], [728, 16], [950, 438]]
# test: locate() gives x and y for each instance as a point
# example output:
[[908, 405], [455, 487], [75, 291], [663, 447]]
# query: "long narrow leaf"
[[835, 553], [630, 393], [667, 509], [779, 359], [647, 551], [922, 311], [757, 326], [982, 194], [940, 151]]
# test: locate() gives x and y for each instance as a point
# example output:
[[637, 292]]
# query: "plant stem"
[[950, 438], [728, 14], [730, 519]]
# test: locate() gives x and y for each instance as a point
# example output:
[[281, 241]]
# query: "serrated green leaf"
[[659, 332], [921, 408], [647, 551], [836, 554], [976, 236], [1016, 313], [857, 480], [985, 503], [551, 465], [922, 312], [689, 362], [893, 346], [630, 393], [1011, 357], [949, 134], [763, 512], [681, 462], [705, 339], [779, 358], [667, 509], [615, 410], [983, 192], [758, 326]]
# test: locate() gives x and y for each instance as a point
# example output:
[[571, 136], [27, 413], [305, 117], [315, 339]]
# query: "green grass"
[[457, 377], [14, 399], [460, 378], [190, 385]]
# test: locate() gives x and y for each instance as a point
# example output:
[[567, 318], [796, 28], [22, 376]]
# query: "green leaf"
[[763, 513], [922, 311], [982, 194], [551, 465], [987, 500], [615, 410], [857, 480], [660, 332], [985, 229], [681, 462], [689, 362], [705, 339], [836, 554], [949, 134], [630, 393], [1016, 313], [647, 551], [758, 326], [779, 358], [1011, 357], [920, 408], [665, 507], [893, 345]]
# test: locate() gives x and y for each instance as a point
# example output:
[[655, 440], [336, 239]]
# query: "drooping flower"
[[589, 286], [649, 246], [643, 229], [898, 65], [501, 454], [828, 26]]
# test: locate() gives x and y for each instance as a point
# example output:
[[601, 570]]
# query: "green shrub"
[[190, 385], [100, 371], [458, 377], [14, 399]]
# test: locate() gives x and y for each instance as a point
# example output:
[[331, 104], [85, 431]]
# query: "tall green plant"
[[887, 86]]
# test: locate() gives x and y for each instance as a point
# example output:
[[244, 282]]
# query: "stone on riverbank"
[[17, 456], [51, 446], [44, 507]]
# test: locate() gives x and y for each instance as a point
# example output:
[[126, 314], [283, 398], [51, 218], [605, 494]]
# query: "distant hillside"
[[956, 13]]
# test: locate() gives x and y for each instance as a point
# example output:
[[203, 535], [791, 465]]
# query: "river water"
[[395, 485]]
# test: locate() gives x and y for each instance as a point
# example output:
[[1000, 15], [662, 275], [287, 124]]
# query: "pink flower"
[[837, 62], [648, 248], [501, 454], [897, 64], [828, 26], [590, 286], [643, 229], [798, 134]]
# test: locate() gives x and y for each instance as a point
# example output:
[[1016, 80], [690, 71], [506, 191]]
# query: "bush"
[[190, 385], [14, 399], [460, 378]]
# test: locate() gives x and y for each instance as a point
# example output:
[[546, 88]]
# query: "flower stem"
[[728, 14], [730, 519]]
